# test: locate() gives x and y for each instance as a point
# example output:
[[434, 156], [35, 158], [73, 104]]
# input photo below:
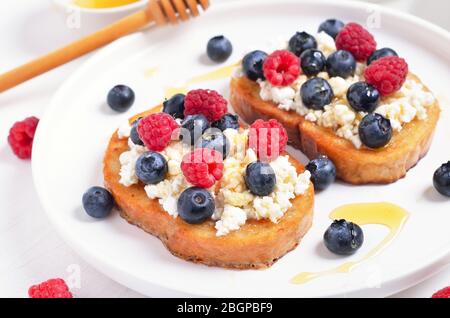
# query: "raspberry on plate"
[[268, 139], [387, 74], [21, 137], [52, 288], [202, 167], [357, 40], [443, 293], [157, 130], [206, 102], [281, 68]]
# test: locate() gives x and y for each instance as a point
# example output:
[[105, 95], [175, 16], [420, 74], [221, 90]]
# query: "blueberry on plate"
[[316, 93], [343, 238], [381, 53], [195, 205], [331, 27], [323, 172], [98, 202], [312, 62], [214, 139], [252, 65], [441, 179], [260, 178], [219, 48], [174, 106], [300, 42], [151, 167], [363, 97], [120, 98], [192, 128], [375, 131], [134, 135], [228, 121], [341, 63]]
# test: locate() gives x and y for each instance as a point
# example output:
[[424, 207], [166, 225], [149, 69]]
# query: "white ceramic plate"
[[72, 136]]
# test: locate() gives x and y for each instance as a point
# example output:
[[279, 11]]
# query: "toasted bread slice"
[[257, 244], [356, 166]]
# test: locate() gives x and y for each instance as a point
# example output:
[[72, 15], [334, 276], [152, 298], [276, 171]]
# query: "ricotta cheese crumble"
[[410, 102], [234, 203]]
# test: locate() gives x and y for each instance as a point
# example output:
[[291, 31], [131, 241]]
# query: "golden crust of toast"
[[356, 166], [257, 244]]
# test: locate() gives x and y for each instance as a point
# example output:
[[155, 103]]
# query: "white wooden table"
[[30, 249]]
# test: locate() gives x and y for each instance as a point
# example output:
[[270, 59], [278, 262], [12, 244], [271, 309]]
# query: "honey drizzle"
[[387, 214], [220, 73]]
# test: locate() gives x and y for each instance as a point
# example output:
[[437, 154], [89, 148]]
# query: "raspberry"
[[357, 40], [157, 130], [206, 102], [267, 138], [202, 167], [21, 137], [443, 293], [282, 68], [53, 288], [387, 74]]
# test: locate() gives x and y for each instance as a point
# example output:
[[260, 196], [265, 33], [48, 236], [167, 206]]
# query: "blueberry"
[[260, 178], [341, 63], [300, 42], [151, 167], [381, 53], [98, 202], [363, 97], [214, 139], [441, 179], [312, 62], [331, 27], [316, 93], [375, 131], [193, 127], [323, 172], [219, 48], [343, 238], [226, 122], [134, 135], [174, 106], [120, 98], [195, 205], [252, 65]]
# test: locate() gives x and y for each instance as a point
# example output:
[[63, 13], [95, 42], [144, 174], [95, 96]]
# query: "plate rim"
[[406, 280]]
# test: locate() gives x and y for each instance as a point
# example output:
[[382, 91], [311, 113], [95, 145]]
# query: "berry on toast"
[[360, 107]]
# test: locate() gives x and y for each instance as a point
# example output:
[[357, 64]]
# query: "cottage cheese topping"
[[128, 163], [169, 190], [232, 219], [410, 102], [325, 43], [124, 130], [234, 203], [234, 191]]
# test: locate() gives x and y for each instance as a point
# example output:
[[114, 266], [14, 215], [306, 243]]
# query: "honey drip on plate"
[[220, 73], [387, 214], [217, 74], [151, 71], [102, 4]]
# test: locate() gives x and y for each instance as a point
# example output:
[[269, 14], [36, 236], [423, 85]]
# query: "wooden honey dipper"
[[159, 12]]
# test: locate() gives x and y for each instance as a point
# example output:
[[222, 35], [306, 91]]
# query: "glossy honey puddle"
[[220, 73], [387, 214], [102, 4]]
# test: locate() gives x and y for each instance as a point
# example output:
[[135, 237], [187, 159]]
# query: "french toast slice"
[[355, 166], [257, 244]]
